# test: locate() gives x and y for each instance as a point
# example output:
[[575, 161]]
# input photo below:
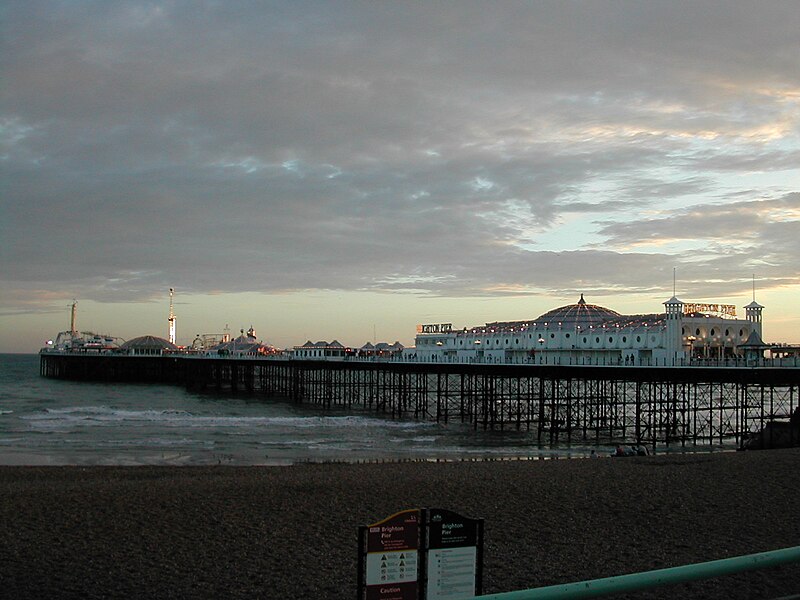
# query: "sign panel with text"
[[454, 565], [389, 557]]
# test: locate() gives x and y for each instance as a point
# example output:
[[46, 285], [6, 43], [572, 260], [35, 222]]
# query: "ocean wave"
[[107, 416], [422, 439], [70, 444]]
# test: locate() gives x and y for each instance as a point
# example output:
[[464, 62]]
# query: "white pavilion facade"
[[588, 334]]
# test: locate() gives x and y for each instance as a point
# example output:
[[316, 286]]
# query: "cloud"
[[373, 146]]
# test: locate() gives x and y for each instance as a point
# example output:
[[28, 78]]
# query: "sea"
[[55, 422]]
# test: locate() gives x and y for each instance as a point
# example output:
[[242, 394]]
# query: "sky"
[[347, 170]]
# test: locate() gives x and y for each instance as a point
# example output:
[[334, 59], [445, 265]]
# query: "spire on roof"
[[754, 341]]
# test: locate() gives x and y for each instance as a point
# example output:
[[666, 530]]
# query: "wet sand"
[[290, 532]]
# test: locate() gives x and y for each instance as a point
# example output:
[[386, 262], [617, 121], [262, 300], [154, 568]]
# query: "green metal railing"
[[650, 579]]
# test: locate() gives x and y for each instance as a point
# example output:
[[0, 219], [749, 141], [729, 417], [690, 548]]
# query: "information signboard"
[[389, 557], [454, 546]]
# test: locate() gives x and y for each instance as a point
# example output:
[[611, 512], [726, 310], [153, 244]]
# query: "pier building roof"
[[148, 342], [581, 314]]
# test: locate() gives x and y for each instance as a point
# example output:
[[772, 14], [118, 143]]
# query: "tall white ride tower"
[[171, 317], [73, 328]]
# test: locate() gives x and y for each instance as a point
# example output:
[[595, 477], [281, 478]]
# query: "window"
[[624, 339], [566, 336], [552, 335], [597, 339], [610, 340]]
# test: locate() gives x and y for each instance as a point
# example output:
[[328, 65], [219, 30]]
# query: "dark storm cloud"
[[270, 147]]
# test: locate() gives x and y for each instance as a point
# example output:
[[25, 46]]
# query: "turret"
[[674, 314], [753, 312]]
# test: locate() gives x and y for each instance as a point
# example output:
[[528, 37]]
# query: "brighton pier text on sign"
[[721, 309]]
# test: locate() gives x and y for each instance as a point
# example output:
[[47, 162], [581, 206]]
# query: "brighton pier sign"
[[435, 328], [421, 554], [728, 310]]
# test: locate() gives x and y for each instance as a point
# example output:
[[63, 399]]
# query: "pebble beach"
[[291, 532]]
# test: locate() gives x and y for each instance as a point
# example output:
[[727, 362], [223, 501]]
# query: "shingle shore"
[[290, 532]]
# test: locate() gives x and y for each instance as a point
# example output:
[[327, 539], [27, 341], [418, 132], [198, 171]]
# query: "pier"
[[653, 406]]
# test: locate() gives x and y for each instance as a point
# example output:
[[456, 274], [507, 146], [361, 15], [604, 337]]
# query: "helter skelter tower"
[[73, 319], [171, 319]]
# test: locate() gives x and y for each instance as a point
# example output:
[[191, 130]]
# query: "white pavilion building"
[[584, 333]]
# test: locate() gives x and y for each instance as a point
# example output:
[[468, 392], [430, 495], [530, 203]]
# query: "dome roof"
[[149, 342], [580, 314]]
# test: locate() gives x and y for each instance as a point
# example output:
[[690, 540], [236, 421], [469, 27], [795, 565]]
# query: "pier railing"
[[652, 579]]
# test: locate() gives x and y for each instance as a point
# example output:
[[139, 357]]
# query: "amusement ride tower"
[[171, 319]]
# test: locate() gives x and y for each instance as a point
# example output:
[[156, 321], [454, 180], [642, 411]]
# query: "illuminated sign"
[[435, 328], [721, 309]]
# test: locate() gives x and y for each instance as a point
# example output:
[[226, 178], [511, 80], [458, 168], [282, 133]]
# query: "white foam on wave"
[[10, 441], [148, 442], [88, 416], [421, 439]]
